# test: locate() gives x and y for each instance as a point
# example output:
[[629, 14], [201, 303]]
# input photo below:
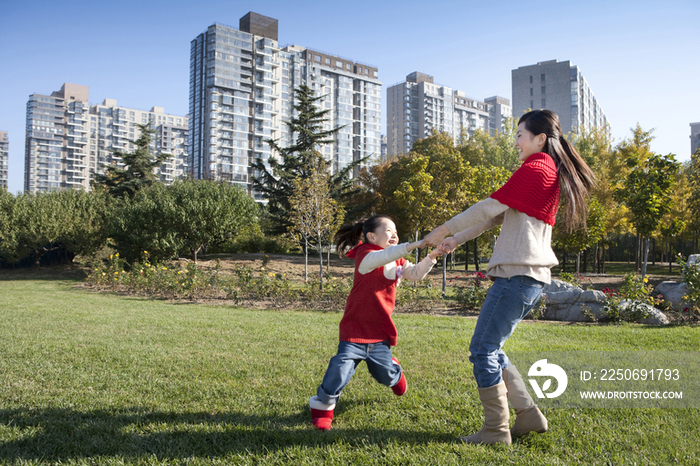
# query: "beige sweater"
[[524, 246]]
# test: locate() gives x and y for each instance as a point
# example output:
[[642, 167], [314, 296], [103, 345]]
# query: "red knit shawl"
[[533, 189]]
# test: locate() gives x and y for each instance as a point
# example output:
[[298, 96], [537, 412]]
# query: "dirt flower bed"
[[277, 281]]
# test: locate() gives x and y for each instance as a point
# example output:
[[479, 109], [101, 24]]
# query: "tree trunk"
[[585, 260], [476, 256], [638, 260], [563, 262], [320, 263], [415, 283], [596, 259], [417, 249], [578, 262], [646, 256], [466, 256], [670, 257], [444, 275], [306, 260]]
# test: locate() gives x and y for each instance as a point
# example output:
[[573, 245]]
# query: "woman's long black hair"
[[575, 177]]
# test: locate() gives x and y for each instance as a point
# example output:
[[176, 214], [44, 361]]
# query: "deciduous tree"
[[314, 214]]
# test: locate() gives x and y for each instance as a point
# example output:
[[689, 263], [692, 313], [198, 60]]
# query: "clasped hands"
[[438, 239]]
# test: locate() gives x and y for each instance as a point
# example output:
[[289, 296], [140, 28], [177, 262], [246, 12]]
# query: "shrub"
[[691, 278], [628, 304], [179, 220], [473, 293], [576, 279], [70, 222]]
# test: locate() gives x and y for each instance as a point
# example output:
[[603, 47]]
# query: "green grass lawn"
[[90, 378]]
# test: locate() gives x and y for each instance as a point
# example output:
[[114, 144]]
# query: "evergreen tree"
[[125, 182], [276, 183]]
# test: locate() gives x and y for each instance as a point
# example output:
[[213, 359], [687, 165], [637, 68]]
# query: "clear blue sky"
[[639, 57]]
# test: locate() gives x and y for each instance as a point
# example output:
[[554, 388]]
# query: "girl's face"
[[384, 235], [528, 143]]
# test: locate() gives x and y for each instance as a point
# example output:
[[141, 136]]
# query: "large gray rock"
[[569, 303], [566, 302], [672, 293]]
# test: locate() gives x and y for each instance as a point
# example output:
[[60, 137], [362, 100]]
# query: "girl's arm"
[[420, 270], [382, 257]]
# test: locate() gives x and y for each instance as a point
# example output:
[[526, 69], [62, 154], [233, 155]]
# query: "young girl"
[[366, 329], [526, 206]]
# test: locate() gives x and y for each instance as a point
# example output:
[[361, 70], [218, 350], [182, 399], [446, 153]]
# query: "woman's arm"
[[472, 232], [473, 216], [450, 244]]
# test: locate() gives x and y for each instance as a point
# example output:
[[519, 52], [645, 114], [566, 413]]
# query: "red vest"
[[367, 317]]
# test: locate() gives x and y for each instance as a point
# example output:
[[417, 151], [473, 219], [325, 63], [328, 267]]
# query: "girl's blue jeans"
[[342, 366], [508, 301]]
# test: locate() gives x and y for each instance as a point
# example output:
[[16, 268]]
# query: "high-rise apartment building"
[[112, 127], [56, 147], [4, 158], [418, 106], [242, 93], [694, 137], [499, 111], [68, 141], [560, 87]]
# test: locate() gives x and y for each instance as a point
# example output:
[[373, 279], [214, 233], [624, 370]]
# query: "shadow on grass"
[[64, 434], [49, 273]]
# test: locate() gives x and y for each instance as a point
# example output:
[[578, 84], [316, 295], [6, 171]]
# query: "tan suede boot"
[[528, 417], [496, 416]]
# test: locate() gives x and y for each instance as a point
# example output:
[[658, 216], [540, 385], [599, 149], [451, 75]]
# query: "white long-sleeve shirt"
[[387, 257]]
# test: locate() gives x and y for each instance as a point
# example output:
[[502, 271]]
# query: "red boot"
[[401, 386], [321, 413]]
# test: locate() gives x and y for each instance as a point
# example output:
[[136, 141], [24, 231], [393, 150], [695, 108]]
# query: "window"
[[339, 64], [317, 58], [328, 61], [542, 77], [348, 66], [531, 92], [532, 104], [530, 79], [542, 90], [544, 103]]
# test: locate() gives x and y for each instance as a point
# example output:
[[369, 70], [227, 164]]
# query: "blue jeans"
[[508, 301], [342, 366]]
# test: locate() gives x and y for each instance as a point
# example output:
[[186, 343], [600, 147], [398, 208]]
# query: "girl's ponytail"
[[348, 237]]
